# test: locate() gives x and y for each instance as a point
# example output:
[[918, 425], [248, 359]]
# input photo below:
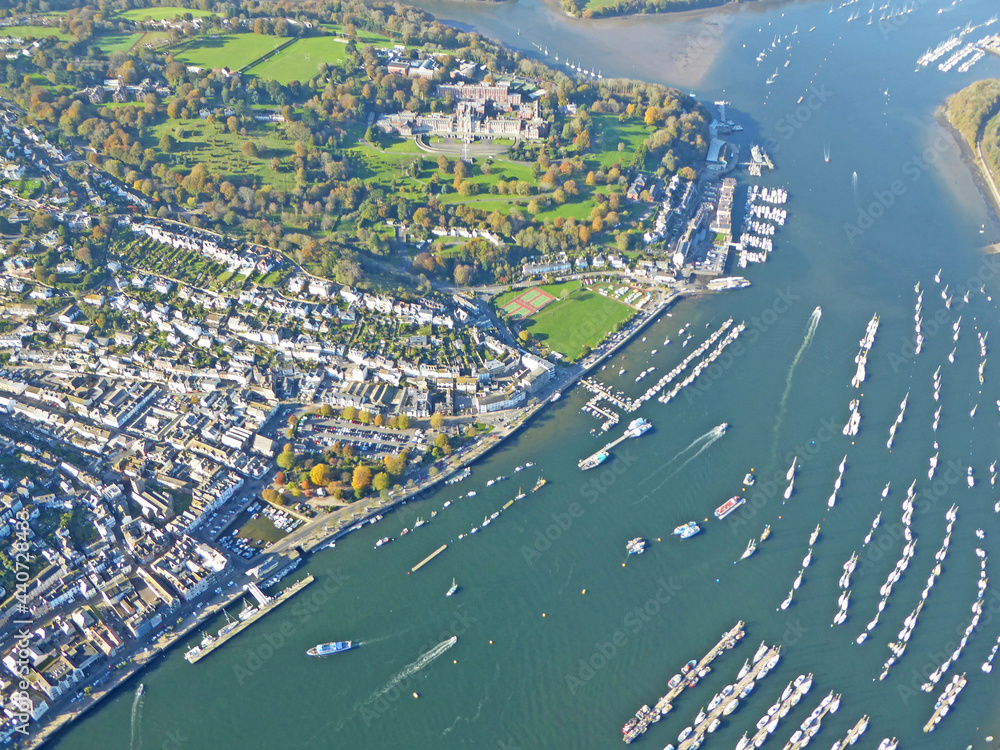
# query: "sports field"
[[528, 303], [162, 12], [233, 51], [300, 61], [567, 317]]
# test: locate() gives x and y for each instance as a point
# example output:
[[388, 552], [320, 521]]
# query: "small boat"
[[751, 548], [814, 536], [453, 589], [766, 532]]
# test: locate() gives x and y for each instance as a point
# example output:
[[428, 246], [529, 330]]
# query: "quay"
[[646, 716], [728, 704], [945, 701], [270, 606], [429, 557]]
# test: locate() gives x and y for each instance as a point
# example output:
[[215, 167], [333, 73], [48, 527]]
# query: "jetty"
[[729, 703], [945, 701], [267, 606], [811, 726], [688, 677], [429, 557]]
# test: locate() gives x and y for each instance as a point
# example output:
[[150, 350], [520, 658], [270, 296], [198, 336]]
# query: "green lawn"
[[261, 529], [609, 133], [34, 32], [300, 61], [579, 316], [162, 12], [233, 51], [110, 43]]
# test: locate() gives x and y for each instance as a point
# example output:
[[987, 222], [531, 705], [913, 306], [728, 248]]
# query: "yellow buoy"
[[416, 695], [491, 643], [584, 591], [543, 614]]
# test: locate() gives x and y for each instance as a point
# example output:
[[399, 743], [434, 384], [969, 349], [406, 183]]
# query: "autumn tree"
[[437, 420], [318, 474], [361, 479], [381, 482]]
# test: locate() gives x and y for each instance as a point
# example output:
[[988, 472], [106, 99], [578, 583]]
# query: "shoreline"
[[305, 546], [984, 180]]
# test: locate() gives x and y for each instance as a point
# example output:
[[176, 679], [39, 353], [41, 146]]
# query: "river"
[[540, 664]]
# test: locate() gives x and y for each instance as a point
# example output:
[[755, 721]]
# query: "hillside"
[[975, 112]]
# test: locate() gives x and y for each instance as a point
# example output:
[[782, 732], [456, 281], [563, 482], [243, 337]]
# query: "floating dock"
[[271, 605], [945, 701], [645, 716], [429, 557], [810, 728], [730, 702]]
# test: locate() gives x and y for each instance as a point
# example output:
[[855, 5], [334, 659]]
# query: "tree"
[[463, 274], [395, 463], [286, 459], [249, 149], [361, 478], [437, 420], [524, 337], [381, 482], [326, 410], [403, 421], [318, 474], [349, 413], [270, 495]]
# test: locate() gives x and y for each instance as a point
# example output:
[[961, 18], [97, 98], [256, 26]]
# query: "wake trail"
[[813, 324], [412, 669], [707, 441], [135, 743], [694, 444]]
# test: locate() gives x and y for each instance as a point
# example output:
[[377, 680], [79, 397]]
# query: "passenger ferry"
[[325, 649]]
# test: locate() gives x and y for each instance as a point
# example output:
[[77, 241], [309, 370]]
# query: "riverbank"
[[972, 158], [319, 531]]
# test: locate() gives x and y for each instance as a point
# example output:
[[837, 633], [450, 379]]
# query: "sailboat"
[[453, 589], [751, 548]]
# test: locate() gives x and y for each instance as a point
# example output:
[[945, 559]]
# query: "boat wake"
[[412, 669], [698, 446], [135, 743], [813, 324]]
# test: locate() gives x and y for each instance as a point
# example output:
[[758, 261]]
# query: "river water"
[[540, 664]]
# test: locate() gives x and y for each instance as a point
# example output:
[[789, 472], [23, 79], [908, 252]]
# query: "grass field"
[[233, 51], [110, 43], [578, 317], [162, 12], [261, 529], [609, 133], [35, 32], [300, 61]]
